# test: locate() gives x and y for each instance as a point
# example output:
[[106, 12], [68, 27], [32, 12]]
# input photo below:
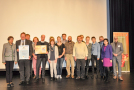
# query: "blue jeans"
[[59, 65]]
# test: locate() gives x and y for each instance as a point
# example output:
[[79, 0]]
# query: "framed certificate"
[[23, 52], [40, 49]]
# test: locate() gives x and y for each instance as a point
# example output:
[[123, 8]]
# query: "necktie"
[[22, 42]]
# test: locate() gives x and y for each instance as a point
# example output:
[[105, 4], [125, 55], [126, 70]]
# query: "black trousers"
[[94, 58], [102, 69], [9, 69], [31, 69], [43, 60], [24, 66], [107, 71], [80, 62], [87, 65]]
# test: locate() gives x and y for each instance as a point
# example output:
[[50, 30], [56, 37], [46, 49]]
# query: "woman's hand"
[[49, 61], [110, 61], [102, 60], [60, 56], [55, 60], [35, 57], [4, 63]]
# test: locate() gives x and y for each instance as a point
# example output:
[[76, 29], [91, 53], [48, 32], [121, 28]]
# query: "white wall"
[[52, 18]]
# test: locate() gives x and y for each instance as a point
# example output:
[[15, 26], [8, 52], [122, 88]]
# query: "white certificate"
[[23, 52]]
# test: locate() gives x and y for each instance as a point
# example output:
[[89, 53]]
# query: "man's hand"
[[110, 61], [85, 58], [75, 58], [4, 63], [115, 55], [49, 61], [29, 57], [17, 50], [102, 60], [98, 58], [15, 63], [60, 56], [35, 57], [65, 58]]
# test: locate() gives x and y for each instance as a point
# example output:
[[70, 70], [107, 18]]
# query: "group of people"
[[81, 52]]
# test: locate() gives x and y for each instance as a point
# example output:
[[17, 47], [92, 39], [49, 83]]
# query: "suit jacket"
[[107, 53], [89, 47], [100, 49], [117, 50], [27, 42], [45, 43]]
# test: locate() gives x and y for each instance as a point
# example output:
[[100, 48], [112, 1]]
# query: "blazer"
[[27, 42], [9, 53], [45, 43], [117, 50], [89, 48], [107, 53], [56, 53]]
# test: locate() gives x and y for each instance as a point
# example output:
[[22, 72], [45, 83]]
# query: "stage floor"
[[72, 84]]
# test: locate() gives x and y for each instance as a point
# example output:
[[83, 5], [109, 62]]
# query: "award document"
[[40, 49], [23, 52]]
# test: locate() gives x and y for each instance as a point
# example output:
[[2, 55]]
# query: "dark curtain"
[[122, 20]]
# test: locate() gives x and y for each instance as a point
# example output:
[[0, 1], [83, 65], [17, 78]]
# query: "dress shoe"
[[78, 77], [8, 85], [21, 83], [27, 82], [37, 80], [51, 78], [12, 85], [120, 78], [68, 76], [43, 80], [114, 77]]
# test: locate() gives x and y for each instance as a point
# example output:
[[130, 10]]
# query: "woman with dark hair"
[[106, 57], [52, 58], [9, 55]]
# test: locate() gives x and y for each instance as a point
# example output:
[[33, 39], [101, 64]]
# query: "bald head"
[[69, 38], [115, 39], [42, 37]]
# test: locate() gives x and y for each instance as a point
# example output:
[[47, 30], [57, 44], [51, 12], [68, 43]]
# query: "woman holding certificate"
[[61, 49], [35, 40], [52, 58], [9, 55]]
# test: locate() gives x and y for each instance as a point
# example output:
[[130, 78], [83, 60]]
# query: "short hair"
[[10, 38], [93, 37], [87, 37], [51, 41], [82, 35], [106, 40], [78, 36], [51, 38], [22, 33], [36, 38], [63, 34], [58, 37], [101, 37], [28, 35]]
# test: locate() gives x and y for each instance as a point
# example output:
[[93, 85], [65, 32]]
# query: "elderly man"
[[69, 57], [117, 48]]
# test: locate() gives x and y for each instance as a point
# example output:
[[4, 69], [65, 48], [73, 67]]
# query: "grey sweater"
[[9, 53]]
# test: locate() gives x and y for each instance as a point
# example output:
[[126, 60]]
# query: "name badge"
[[119, 46]]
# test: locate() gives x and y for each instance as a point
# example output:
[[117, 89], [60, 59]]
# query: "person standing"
[[80, 54], [95, 56], [61, 49], [101, 39], [24, 65], [89, 47], [117, 48], [82, 37], [31, 70], [69, 57], [106, 57], [52, 58], [64, 38], [42, 58], [34, 58], [9, 56]]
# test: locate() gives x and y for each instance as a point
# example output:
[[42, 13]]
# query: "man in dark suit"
[[24, 64], [101, 39], [42, 58], [28, 38]]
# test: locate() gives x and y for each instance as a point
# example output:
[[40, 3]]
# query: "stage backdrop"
[[52, 18], [123, 37]]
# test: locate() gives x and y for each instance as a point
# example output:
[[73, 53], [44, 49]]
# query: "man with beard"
[[69, 57]]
